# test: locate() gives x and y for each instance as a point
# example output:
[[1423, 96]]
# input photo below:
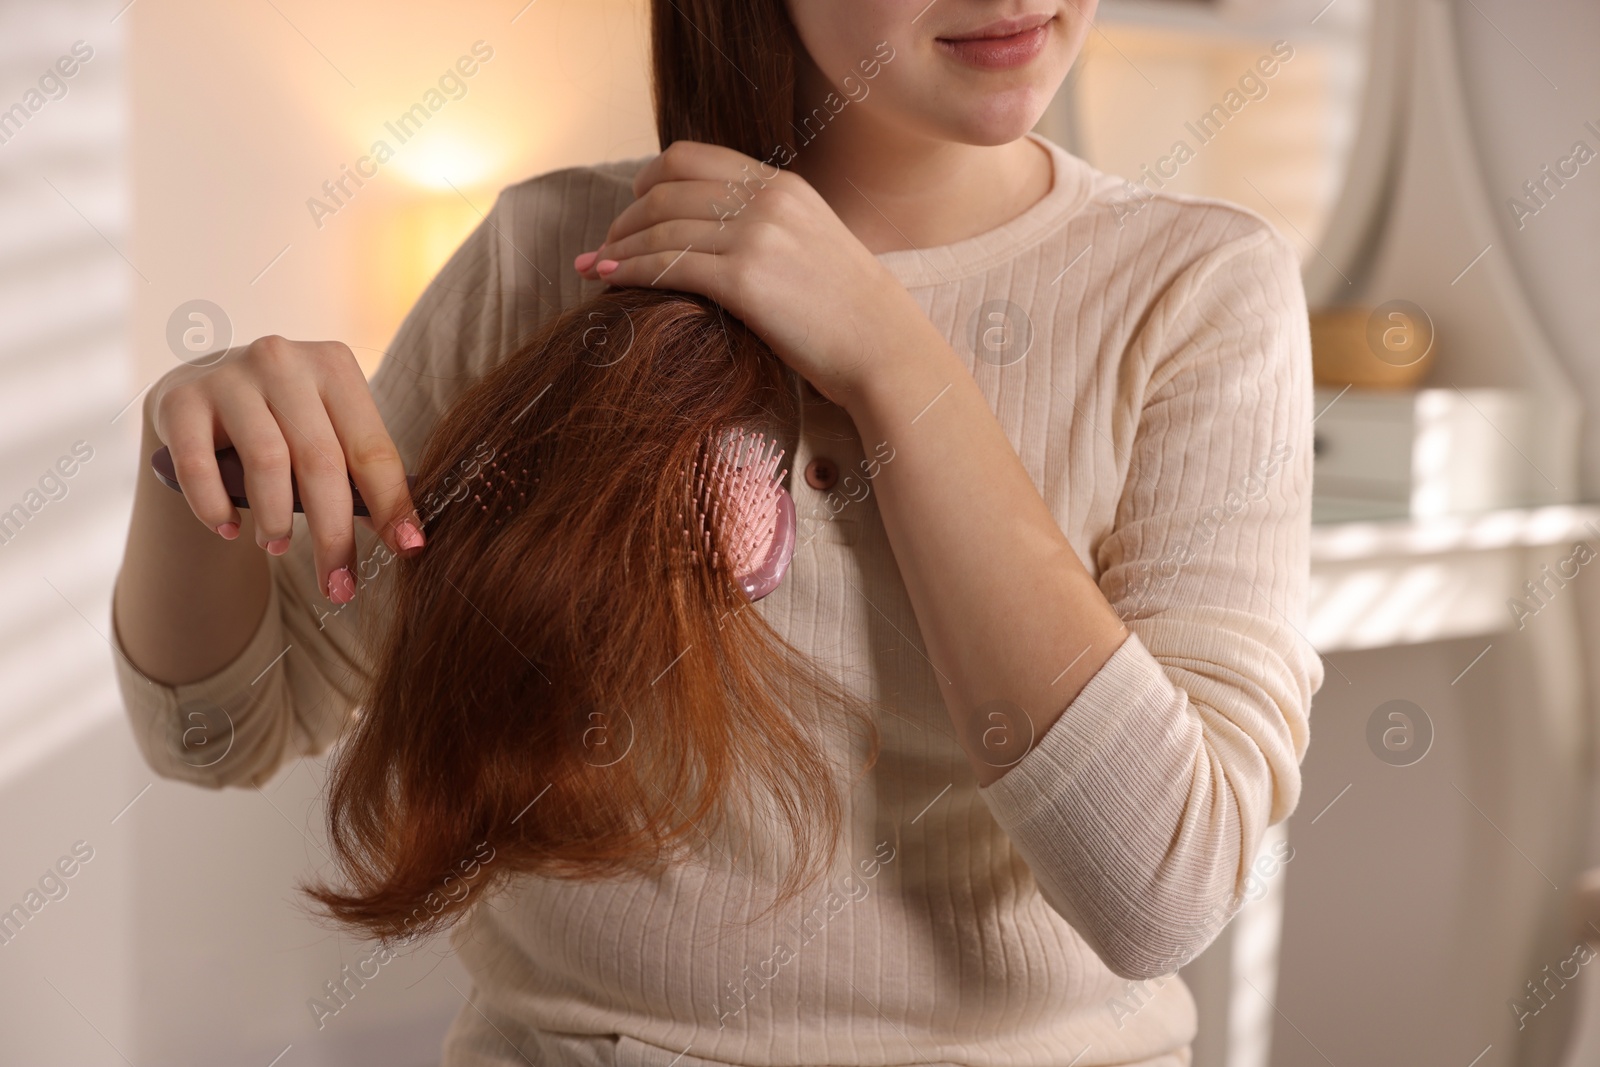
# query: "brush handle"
[[232, 469], [766, 577]]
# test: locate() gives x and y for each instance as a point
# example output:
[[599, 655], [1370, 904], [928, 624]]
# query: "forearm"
[[1007, 610], [187, 601]]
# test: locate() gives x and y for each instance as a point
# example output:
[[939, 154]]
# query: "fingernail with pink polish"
[[228, 530], [341, 586], [606, 266], [278, 546], [407, 535], [584, 260]]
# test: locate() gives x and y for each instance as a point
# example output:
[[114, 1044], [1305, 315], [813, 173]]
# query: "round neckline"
[[1070, 188]]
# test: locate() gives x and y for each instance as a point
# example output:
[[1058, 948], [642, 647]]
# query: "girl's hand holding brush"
[[303, 422]]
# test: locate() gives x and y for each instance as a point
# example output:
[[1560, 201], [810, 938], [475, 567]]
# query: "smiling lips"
[[1001, 45]]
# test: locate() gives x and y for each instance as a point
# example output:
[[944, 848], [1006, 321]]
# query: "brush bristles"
[[734, 491], [503, 494]]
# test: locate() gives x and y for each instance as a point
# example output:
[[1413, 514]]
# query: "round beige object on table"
[[1386, 347]]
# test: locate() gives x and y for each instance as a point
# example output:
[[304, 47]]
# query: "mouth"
[[1001, 45]]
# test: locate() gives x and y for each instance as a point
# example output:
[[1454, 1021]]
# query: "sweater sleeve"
[[292, 689], [1140, 810]]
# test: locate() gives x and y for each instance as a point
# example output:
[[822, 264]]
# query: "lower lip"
[[999, 53]]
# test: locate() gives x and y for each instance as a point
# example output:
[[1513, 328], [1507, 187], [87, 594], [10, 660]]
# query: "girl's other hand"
[[765, 245]]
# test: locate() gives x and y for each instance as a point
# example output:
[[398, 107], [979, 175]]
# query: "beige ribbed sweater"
[[1163, 410]]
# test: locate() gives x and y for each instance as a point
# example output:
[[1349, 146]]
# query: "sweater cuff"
[[185, 731]]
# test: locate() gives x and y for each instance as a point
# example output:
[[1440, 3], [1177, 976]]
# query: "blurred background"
[[162, 193]]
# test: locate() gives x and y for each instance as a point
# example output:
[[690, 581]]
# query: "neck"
[[896, 188]]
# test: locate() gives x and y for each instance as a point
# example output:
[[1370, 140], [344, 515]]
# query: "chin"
[[988, 110], [995, 122]]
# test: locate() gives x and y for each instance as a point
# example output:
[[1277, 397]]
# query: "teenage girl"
[[1053, 465]]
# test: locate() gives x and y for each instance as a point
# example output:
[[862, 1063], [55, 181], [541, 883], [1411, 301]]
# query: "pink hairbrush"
[[736, 493]]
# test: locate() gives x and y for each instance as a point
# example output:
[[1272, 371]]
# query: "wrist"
[[906, 358]]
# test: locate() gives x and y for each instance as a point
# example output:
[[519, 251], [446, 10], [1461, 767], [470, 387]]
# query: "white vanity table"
[[1381, 584]]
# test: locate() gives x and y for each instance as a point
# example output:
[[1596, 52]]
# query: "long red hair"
[[562, 683]]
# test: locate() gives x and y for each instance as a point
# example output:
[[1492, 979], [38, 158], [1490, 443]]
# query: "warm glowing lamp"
[[436, 194]]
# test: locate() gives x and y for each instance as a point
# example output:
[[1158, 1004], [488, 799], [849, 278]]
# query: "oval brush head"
[[741, 512]]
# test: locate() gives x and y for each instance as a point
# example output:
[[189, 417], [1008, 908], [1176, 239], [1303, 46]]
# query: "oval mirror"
[[1255, 101]]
